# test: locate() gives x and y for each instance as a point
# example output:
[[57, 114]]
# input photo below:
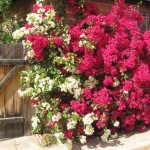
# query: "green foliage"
[[7, 27], [4, 8]]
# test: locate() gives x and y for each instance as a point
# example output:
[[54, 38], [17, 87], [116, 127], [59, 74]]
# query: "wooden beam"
[[12, 61], [11, 120]]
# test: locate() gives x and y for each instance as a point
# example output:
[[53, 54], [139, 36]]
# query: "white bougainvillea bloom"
[[34, 18], [71, 124], [106, 135], [91, 82], [83, 139], [88, 119], [21, 93], [116, 124], [77, 93], [37, 78], [82, 35], [66, 38], [116, 83], [56, 117], [59, 136], [46, 84], [46, 105], [125, 92], [89, 130], [18, 34], [26, 93], [40, 2], [41, 10], [71, 85], [30, 54], [35, 121]]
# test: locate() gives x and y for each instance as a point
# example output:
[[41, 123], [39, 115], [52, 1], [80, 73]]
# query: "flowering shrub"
[[87, 79], [82, 8]]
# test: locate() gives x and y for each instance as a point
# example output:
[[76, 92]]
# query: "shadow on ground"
[[95, 143]]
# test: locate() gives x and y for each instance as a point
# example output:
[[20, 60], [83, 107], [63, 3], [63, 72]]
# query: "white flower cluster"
[[48, 19], [116, 124], [20, 33], [46, 105], [71, 124], [86, 43], [70, 68], [82, 35], [106, 135], [56, 117], [40, 1], [35, 121], [30, 54], [91, 82], [45, 84], [116, 83], [70, 63], [66, 38], [34, 18], [59, 136], [89, 130], [83, 139], [40, 24], [39, 29], [26, 93], [82, 43], [71, 85], [37, 78], [89, 119]]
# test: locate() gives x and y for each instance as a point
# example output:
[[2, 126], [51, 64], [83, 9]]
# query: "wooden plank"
[[18, 103], [2, 74], [12, 61], [9, 131], [18, 107], [1, 51], [28, 113], [8, 51], [2, 108], [9, 104], [19, 51], [11, 120], [11, 51]]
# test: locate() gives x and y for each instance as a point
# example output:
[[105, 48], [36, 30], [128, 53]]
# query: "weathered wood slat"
[[12, 61], [2, 97], [11, 51], [11, 120], [9, 76]]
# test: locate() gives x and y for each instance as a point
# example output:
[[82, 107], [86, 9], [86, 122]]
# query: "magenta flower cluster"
[[112, 49]]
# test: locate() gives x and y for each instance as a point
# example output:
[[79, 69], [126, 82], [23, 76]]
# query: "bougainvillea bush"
[[87, 79]]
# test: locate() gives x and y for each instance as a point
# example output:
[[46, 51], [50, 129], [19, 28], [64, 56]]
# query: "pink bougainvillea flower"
[[68, 134], [38, 44]]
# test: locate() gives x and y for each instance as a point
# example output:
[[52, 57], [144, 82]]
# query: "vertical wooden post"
[[2, 106]]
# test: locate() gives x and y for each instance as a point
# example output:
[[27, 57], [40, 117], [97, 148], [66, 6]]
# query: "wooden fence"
[[15, 113]]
